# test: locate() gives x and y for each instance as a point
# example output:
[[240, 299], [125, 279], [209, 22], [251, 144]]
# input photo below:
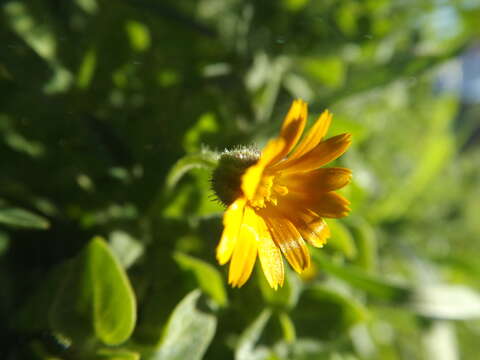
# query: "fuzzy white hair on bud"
[[227, 176]]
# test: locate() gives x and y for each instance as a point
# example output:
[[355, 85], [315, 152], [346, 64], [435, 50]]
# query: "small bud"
[[227, 176]]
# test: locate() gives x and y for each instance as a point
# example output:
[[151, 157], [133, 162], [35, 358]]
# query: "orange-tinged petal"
[[315, 233], [314, 136], [322, 154], [311, 226], [290, 242], [245, 252], [292, 128], [329, 205], [232, 220], [320, 180], [270, 256]]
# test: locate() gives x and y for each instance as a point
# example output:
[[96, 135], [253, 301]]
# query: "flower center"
[[268, 190]]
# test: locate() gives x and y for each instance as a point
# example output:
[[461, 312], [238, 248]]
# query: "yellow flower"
[[278, 201]]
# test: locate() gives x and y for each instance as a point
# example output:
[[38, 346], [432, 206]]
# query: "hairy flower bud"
[[226, 178]]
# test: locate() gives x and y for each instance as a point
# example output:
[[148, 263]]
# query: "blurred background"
[[109, 113]]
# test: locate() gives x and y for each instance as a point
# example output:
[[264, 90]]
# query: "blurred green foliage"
[[109, 112]]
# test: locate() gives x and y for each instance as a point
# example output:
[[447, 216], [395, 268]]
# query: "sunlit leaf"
[[139, 35], [288, 327], [87, 69], [95, 298], [116, 354], [450, 302], [358, 278], [306, 349], [206, 124], [295, 5], [189, 331], [245, 349], [329, 71], [440, 341], [126, 249], [437, 149]]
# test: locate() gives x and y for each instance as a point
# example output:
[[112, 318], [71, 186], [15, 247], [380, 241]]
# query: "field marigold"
[[277, 199]]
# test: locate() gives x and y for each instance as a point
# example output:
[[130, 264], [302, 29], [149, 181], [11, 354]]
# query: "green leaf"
[[208, 277], [329, 71], [190, 199], [341, 239], [288, 327], [338, 313], [309, 349], [206, 124], [245, 349], [116, 354], [437, 150], [20, 218], [284, 297], [189, 331], [32, 315], [139, 35], [4, 242], [449, 302], [440, 341], [96, 298], [434, 156], [87, 69], [294, 5], [346, 124], [358, 278], [366, 243], [205, 159], [126, 248]]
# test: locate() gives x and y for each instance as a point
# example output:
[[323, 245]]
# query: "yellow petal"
[[278, 148], [314, 136], [292, 128], [322, 154], [270, 256], [290, 242], [245, 251], [253, 175], [232, 220], [320, 180]]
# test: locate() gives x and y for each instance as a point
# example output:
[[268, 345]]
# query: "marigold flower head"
[[277, 199]]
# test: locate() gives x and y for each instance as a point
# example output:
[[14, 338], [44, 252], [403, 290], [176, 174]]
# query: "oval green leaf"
[[20, 218], [96, 298]]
